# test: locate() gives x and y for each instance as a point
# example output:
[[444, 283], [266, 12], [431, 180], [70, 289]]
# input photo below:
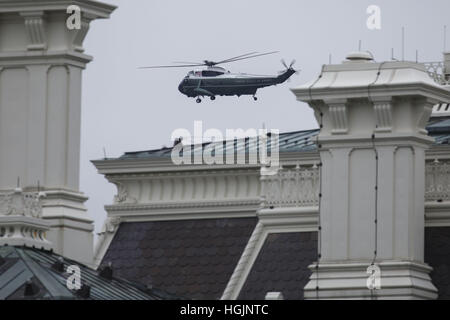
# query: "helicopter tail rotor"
[[292, 63], [290, 66], [289, 69]]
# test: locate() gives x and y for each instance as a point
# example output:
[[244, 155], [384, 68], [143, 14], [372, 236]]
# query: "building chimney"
[[372, 145], [41, 62]]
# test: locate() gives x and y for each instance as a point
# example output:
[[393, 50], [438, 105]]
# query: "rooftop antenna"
[[104, 153], [403, 43], [329, 58], [359, 45], [18, 182], [392, 55], [38, 187], [445, 38], [417, 56]]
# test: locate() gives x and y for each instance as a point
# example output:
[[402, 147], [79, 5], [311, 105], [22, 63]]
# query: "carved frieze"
[[20, 203]]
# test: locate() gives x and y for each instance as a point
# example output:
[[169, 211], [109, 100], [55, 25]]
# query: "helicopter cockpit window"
[[211, 73]]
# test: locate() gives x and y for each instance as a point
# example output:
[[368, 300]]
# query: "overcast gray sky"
[[126, 109]]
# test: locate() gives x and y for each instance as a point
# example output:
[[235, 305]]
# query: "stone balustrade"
[[299, 186]]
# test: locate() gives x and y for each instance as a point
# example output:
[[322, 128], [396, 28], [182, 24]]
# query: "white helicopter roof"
[[218, 72]]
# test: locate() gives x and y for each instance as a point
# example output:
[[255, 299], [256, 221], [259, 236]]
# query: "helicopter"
[[217, 81]]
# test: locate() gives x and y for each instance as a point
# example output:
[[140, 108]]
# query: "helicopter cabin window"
[[211, 73]]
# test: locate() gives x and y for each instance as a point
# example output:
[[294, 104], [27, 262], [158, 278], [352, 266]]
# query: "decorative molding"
[[19, 203], [399, 280], [95, 9], [122, 194], [383, 116], [35, 27], [21, 222], [80, 35], [62, 57], [426, 106], [170, 189], [302, 218], [339, 117], [24, 231], [182, 205], [437, 214], [111, 225], [185, 210]]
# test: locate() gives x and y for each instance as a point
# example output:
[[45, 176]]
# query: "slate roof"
[[23, 269], [281, 266], [296, 141], [437, 255], [193, 259]]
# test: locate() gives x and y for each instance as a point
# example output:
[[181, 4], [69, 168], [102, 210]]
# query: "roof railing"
[[436, 71]]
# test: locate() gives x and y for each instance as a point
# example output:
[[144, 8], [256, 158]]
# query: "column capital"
[[45, 25]]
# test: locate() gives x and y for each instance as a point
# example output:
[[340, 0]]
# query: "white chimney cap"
[[359, 56]]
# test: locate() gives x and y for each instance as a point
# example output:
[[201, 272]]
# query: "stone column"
[[372, 146], [41, 62]]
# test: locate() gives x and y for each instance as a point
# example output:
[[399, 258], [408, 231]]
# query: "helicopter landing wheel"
[[255, 98], [198, 100], [213, 98]]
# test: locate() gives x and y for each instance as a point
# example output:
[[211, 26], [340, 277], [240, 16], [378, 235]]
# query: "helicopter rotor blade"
[[248, 57], [284, 63], [189, 62], [180, 66], [211, 63], [292, 63], [240, 56]]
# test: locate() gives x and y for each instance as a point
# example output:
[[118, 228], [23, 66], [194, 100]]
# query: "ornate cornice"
[[62, 58], [184, 205], [95, 8]]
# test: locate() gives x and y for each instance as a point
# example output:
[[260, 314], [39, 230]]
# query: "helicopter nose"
[[180, 87]]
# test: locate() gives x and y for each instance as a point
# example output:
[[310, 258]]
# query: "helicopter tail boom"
[[285, 75]]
